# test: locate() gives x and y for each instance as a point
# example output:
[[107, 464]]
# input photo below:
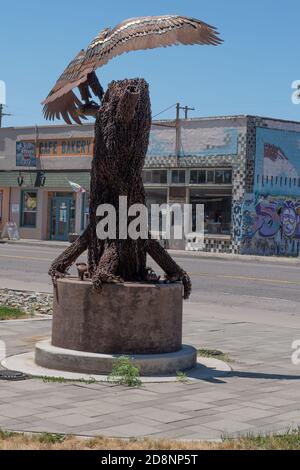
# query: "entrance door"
[[62, 217]]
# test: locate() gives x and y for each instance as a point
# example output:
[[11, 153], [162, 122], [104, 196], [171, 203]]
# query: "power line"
[[167, 109]]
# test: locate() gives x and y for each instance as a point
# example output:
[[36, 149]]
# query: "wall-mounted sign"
[[15, 208], [66, 148], [25, 154], [55, 148]]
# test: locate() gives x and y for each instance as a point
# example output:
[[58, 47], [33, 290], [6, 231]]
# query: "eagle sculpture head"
[[123, 128]]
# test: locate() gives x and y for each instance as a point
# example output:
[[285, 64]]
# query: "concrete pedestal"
[[92, 329], [130, 318]]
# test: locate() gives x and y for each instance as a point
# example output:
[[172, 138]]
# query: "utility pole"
[[186, 109], [178, 130], [2, 114]]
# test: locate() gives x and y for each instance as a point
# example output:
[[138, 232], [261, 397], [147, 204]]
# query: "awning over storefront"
[[9, 179]]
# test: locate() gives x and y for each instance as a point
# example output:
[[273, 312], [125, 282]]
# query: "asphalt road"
[[227, 287]]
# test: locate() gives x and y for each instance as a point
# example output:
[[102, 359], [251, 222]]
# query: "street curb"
[[234, 257], [179, 253], [39, 244]]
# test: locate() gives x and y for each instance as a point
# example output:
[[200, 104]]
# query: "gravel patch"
[[31, 303]]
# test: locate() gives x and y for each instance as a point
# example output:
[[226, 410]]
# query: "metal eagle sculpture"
[[133, 34], [122, 129]]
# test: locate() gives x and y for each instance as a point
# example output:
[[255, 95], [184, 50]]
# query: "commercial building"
[[245, 170]]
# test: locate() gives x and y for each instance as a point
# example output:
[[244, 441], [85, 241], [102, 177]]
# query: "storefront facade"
[[245, 170], [36, 168]]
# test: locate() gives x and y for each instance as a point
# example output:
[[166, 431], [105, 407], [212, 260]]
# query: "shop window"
[[198, 177], [219, 177], [155, 176], [1, 204], [178, 193], [227, 177], [217, 210], [194, 177], [29, 209], [201, 177], [155, 196], [210, 176], [178, 177]]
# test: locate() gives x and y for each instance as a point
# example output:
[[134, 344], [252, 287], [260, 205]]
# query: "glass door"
[[62, 217]]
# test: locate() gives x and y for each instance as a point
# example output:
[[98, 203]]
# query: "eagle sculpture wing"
[[133, 34]]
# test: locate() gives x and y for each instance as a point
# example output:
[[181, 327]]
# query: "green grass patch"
[[22, 441], [215, 354], [287, 441], [9, 313], [62, 380]]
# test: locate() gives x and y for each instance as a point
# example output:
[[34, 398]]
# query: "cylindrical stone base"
[[130, 318]]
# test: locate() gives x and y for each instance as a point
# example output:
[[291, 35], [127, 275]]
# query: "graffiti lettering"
[[271, 226], [237, 219]]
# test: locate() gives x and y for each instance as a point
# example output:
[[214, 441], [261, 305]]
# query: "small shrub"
[[6, 434], [215, 354], [181, 376], [47, 438], [125, 373]]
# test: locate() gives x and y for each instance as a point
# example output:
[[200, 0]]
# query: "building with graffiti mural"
[[271, 211], [245, 170]]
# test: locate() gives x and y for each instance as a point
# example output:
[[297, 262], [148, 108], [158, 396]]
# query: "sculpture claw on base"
[[55, 274], [151, 276], [184, 278], [103, 278]]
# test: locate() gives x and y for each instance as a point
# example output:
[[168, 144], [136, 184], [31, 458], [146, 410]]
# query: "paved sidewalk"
[[261, 395]]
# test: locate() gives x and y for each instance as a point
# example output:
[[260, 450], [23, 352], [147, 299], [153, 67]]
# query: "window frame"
[[195, 175], [179, 172], [22, 224], [162, 174]]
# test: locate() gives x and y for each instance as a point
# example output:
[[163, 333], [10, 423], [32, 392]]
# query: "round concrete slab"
[[206, 369], [52, 357]]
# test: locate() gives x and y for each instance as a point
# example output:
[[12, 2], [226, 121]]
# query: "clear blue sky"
[[250, 74]]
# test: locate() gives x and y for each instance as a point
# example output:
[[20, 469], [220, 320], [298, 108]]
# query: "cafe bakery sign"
[[72, 147], [60, 148]]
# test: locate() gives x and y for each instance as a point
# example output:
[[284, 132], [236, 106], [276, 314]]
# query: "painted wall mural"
[[271, 226], [196, 141], [210, 141], [25, 154], [277, 167]]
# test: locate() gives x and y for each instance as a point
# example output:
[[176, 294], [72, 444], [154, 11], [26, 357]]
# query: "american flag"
[[76, 187]]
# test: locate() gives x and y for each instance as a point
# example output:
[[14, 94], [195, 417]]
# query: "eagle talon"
[[55, 275]]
